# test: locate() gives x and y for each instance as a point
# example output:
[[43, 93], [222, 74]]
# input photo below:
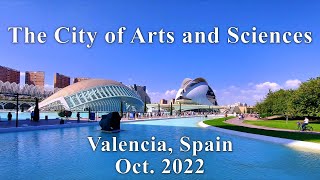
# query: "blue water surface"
[[51, 115], [66, 154]]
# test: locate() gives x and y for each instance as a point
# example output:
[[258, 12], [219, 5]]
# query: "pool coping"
[[46, 127], [295, 144], [72, 125]]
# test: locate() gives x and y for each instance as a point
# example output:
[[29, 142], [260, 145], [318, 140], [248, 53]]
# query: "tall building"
[[9, 75], [35, 78], [78, 79], [142, 91], [61, 81], [163, 101]]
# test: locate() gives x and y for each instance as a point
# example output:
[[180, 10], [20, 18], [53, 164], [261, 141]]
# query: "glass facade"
[[105, 98]]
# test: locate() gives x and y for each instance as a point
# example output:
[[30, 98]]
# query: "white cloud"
[[48, 87], [268, 85], [257, 97], [157, 96], [233, 87], [171, 93], [292, 84], [252, 93]]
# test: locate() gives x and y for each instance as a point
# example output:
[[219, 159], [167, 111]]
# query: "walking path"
[[299, 145], [238, 122]]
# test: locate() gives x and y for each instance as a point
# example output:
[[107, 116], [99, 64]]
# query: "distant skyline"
[[237, 73]]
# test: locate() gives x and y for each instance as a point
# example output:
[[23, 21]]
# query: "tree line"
[[304, 101]]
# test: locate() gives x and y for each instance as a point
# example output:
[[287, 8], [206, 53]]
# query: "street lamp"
[[16, 95]]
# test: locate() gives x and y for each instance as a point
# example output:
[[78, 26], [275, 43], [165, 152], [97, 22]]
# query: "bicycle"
[[306, 127]]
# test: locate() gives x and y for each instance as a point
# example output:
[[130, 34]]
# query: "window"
[[80, 95]]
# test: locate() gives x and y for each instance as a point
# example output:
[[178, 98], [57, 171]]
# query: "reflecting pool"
[[66, 154]]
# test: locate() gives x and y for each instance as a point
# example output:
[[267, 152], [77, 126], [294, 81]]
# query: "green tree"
[[306, 99], [265, 107], [282, 101], [276, 103]]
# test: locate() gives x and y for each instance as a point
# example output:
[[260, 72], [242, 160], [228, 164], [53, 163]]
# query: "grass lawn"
[[289, 135], [281, 124]]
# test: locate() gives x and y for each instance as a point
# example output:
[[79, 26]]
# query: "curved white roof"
[[188, 81], [185, 82], [197, 90], [80, 86]]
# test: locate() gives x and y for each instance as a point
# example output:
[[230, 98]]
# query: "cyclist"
[[305, 123]]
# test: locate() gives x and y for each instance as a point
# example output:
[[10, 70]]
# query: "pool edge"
[[46, 127], [73, 125]]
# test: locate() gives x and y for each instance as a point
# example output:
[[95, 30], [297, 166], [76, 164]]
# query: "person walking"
[[32, 115], [9, 116], [78, 116]]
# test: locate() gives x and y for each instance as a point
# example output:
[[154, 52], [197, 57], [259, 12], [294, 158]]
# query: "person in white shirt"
[[305, 122]]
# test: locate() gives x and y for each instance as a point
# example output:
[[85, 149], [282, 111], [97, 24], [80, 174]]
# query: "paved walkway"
[[238, 122], [298, 145]]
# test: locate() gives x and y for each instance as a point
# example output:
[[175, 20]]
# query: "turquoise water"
[[27, 115], [66, 154]]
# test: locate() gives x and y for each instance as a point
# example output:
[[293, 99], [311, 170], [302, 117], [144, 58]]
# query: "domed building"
[[96, 94], [196, 91]]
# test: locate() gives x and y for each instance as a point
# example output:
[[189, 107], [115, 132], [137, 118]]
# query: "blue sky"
[[236, 72]]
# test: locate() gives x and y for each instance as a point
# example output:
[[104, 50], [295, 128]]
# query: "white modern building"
[[96, 94], [196, 91], [28, 90]]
